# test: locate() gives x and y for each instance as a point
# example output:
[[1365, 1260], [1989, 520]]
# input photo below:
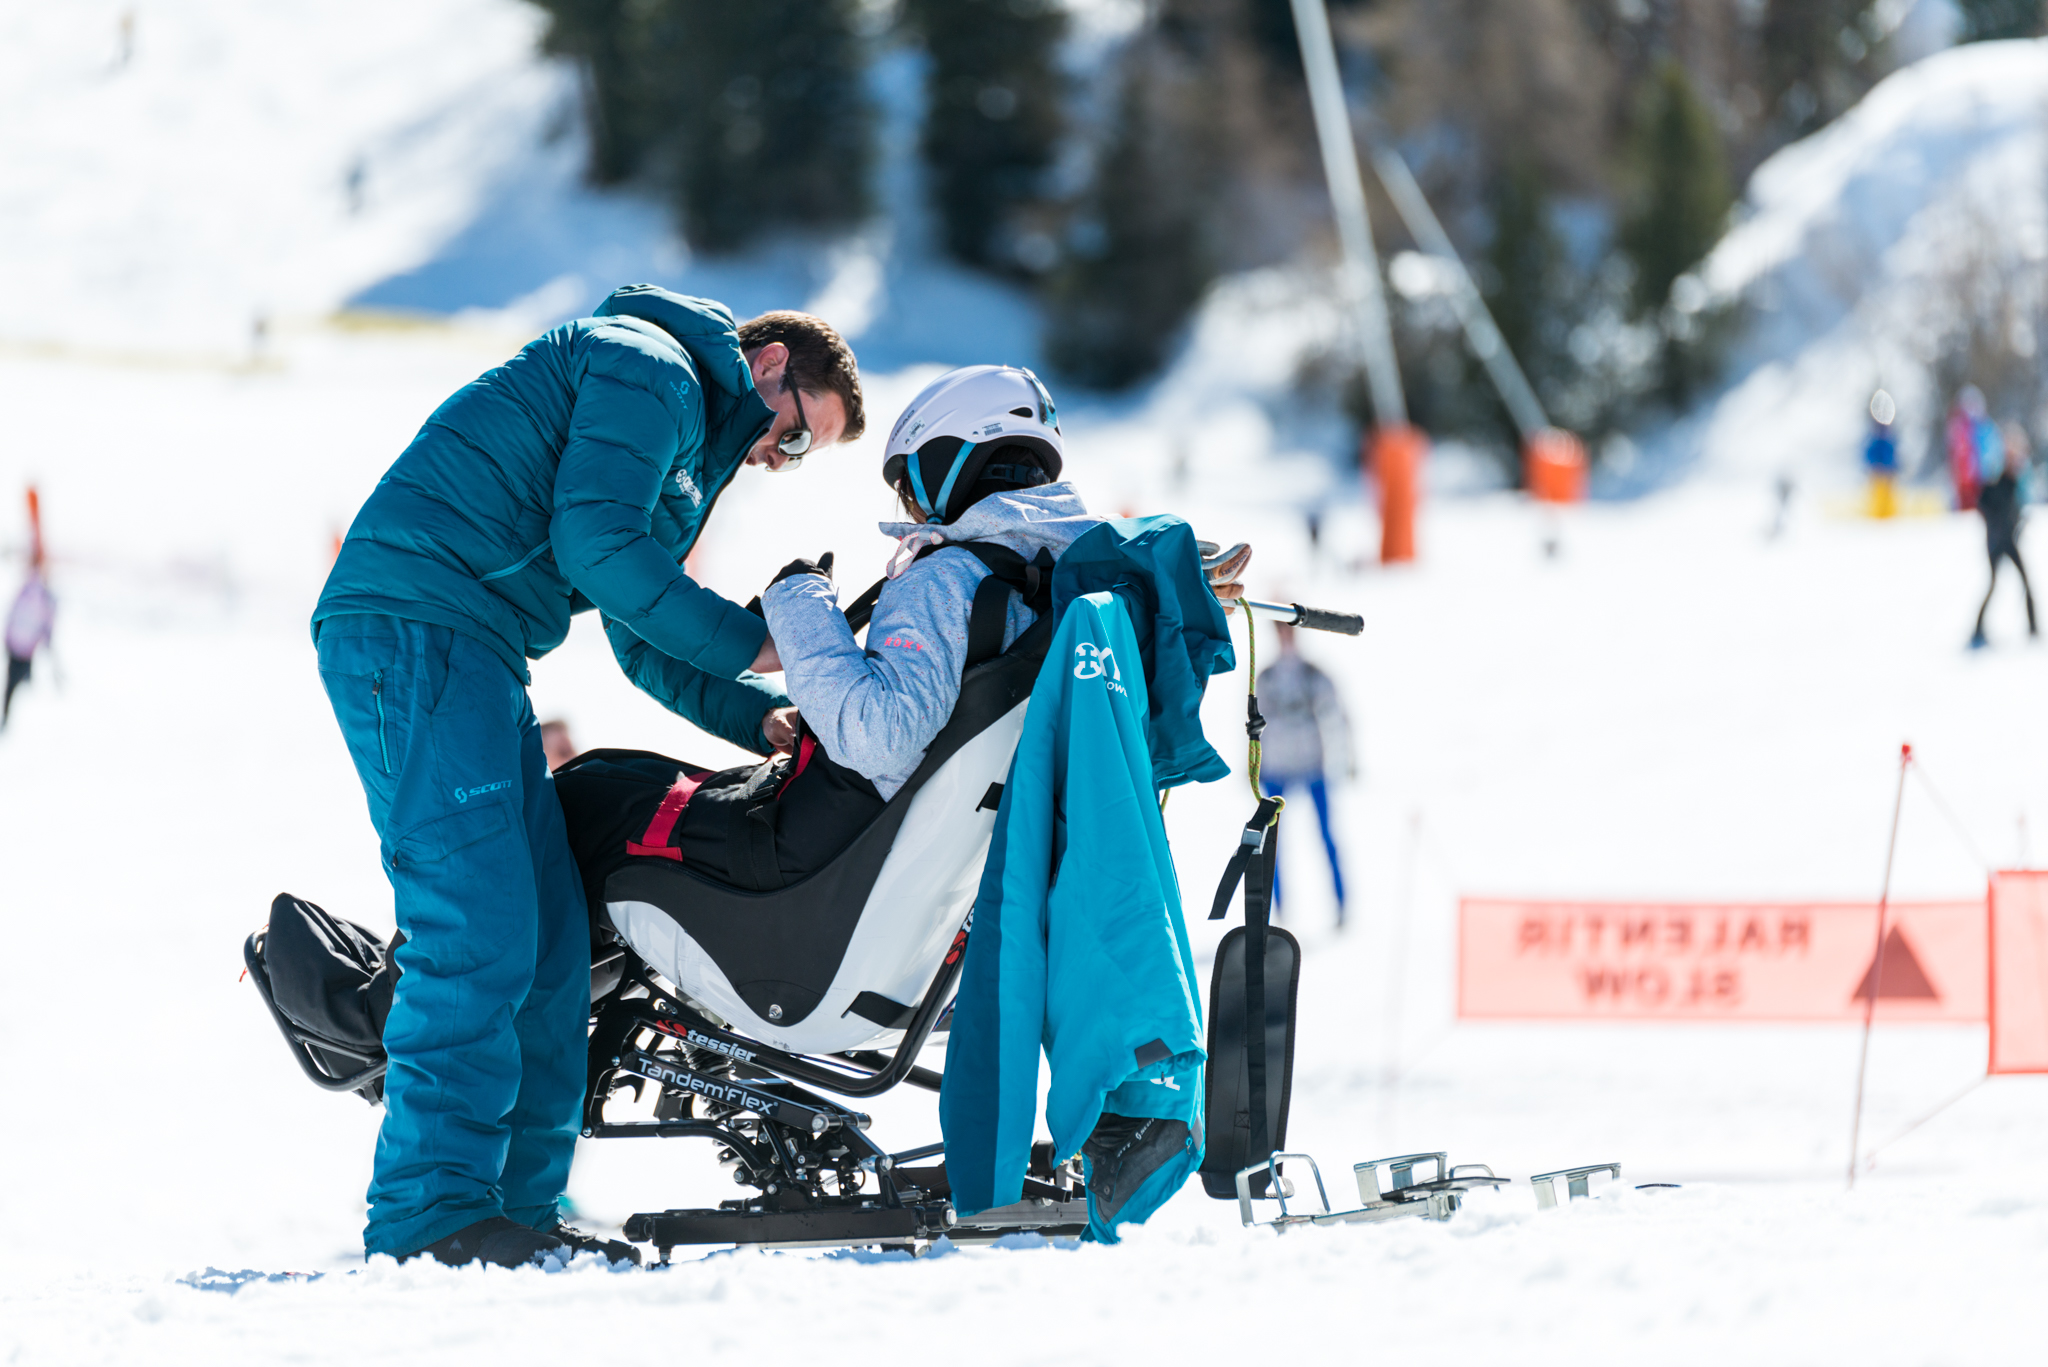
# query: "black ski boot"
[[498, 1240], [614, 1250], [1124, 1151]]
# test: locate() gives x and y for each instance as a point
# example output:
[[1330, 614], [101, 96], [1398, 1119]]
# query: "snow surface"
[[1678, 706], [1840, 248]]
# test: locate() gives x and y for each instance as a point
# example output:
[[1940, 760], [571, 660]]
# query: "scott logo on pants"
[[465, 794]]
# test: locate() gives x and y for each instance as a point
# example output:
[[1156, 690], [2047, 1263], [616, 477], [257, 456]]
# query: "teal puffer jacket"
[[578, 475]]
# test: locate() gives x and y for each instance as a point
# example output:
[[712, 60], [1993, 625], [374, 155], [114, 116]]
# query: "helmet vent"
[[1023, 413]]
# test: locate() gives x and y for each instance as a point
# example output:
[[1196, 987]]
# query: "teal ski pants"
[[487, 1033]]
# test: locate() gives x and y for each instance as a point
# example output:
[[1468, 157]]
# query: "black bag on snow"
[[328, 983]]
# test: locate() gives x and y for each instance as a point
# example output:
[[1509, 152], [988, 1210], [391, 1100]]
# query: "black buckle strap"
[[1259, 833], [986, 620], [861, 609], [1258, 903]]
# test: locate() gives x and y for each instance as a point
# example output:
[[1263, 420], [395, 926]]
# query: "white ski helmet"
[[961, 430]]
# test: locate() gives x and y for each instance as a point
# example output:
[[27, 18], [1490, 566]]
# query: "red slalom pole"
[[1884, 898], [35, 529]]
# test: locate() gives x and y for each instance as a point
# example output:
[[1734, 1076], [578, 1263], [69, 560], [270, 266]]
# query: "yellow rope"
[[1254, 748]]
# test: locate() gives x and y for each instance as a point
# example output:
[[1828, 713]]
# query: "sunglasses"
[[796, 442]]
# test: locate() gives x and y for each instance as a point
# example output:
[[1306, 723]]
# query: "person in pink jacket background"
[[1964, 417], [33, 614]]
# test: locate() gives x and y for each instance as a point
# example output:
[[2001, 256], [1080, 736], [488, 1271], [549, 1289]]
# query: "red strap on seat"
[[805, 748], [670, 811]]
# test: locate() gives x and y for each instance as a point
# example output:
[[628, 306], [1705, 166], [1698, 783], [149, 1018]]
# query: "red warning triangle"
[[1903, 975]]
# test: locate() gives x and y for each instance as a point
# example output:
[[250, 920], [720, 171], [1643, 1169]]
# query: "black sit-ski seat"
[[838, 960]]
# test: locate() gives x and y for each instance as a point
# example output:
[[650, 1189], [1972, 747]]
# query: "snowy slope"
[[1841, 244], [164, 204], [279, 163]]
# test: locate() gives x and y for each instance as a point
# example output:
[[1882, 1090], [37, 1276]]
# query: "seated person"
[[984, 468]]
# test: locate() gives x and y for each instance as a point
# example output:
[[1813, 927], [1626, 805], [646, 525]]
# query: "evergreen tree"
[[780, 131], [1816, 60], [1988, 19], [1521, 277], [1682, 198], [1209, 165], [1140, 255], [752, 115], [1682, 193], [620, 45], [992, 124]]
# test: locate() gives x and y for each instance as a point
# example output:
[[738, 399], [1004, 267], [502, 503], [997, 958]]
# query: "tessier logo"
[[1095, 662]]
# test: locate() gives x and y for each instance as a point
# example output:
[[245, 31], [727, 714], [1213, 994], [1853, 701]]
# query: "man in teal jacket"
[[576, 475]]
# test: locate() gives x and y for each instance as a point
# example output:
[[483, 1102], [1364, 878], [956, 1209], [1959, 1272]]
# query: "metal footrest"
[[1436, 1198], [911, 1226], [1576, 1182], [1053, 1219], [818, 1227]]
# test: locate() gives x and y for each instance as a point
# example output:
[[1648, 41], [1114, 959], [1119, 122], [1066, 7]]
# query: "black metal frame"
[[366, 1082], [781, 1138]]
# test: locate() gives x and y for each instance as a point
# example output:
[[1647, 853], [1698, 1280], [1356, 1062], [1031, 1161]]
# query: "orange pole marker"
[[1554, 466], [1394, 454], [35, 528]]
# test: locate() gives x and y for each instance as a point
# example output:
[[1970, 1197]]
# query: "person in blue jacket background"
[[576, 475]]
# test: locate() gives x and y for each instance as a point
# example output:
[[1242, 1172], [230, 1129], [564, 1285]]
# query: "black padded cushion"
[[783, 947]]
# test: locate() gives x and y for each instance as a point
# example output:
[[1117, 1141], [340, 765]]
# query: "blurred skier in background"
[[1306, 727], [2000, 501], [556, 744], [1881, 457], [1989, 440], [2019, 448], [1963, 416], [33, 615], [28, 630]]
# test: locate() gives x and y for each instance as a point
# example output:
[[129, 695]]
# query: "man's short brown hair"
[[820, 361]]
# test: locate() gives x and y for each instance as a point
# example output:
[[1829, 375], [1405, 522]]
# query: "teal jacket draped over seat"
[[1078, 947], [579, 474]]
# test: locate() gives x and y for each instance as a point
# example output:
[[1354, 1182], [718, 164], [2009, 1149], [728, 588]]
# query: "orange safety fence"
[[2018, 933], [1749, 961]]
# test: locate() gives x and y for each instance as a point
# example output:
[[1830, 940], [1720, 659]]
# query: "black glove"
[[822, 566]]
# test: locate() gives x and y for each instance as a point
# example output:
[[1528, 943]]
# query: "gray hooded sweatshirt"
[[876, 710]]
